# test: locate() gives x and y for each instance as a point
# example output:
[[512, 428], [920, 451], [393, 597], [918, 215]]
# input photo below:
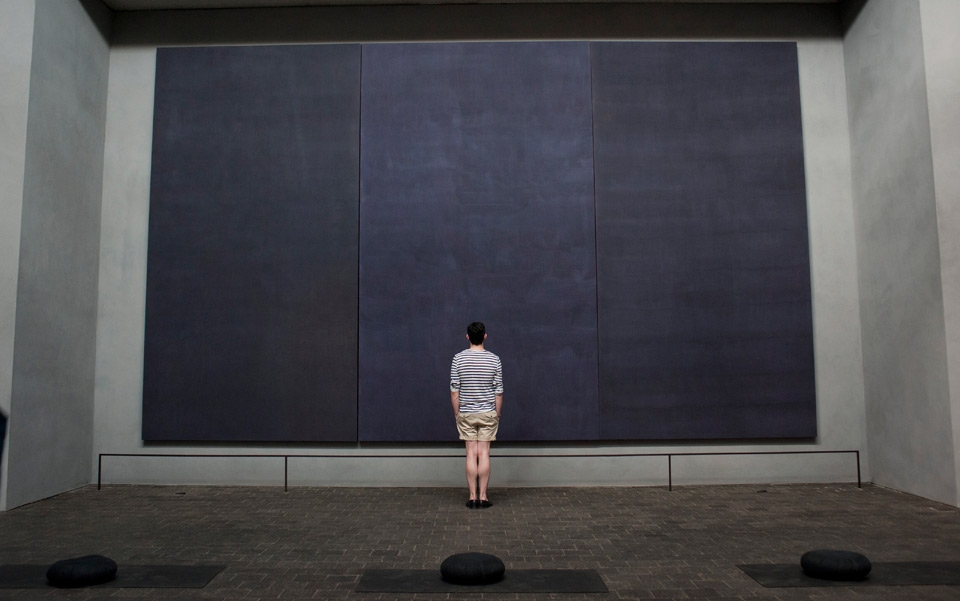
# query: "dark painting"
[[252, 270], [628, 219], [477, 205], [703, 261]]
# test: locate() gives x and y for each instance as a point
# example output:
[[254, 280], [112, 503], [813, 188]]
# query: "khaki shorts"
[[478, 426]]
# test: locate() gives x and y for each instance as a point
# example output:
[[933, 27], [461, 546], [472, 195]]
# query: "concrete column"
[[16, 50], [940, 20], [52, 383], [908, 407]]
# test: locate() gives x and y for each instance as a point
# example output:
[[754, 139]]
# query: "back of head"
[[475, 332]]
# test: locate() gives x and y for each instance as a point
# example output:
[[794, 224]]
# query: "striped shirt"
[[478, 376]]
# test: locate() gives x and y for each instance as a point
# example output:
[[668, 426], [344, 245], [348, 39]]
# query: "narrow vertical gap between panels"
[[596, 233], [359, 224]]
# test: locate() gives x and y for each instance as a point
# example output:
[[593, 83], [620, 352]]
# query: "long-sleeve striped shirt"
[[478, 376]]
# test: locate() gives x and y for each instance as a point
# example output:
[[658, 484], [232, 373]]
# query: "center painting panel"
[[476, 204]]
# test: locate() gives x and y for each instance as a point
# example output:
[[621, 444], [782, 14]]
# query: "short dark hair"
[[475, 332]]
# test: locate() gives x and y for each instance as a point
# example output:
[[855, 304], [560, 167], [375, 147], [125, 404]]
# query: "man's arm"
[[498, 387], [455, 386]]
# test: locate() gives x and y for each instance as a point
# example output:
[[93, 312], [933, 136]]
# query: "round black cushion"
[[82, 571], [835, 565], [472, 568]]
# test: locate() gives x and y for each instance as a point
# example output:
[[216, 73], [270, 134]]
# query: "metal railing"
[[286, 458]]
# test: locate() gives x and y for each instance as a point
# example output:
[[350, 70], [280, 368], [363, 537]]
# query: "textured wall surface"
[[51, 430], [123, 248], [941, 52], [833, 253], [16, 48], [902, 310]]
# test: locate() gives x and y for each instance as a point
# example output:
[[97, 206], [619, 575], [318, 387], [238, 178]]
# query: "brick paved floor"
[[647, 543]]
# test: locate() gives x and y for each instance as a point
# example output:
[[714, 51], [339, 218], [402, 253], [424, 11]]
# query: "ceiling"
[[198, 4]]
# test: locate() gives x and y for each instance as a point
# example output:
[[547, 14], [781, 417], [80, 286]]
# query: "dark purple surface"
[[477, 204], [252, 270], [703, 260], [538, 187]]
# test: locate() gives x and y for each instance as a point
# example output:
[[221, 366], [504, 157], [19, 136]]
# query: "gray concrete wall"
[[124, 227], [16, 50], [909, 426], [52, 390], [940, 20]]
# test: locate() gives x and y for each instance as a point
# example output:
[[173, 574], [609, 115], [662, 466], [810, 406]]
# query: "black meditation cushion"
[[472, 568], [835, 565], [82, 571]]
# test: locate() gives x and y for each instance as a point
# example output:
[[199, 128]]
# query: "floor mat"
[[514, 581], [143, 576], [898, 573]]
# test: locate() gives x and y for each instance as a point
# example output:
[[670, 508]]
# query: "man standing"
[[476, 393]]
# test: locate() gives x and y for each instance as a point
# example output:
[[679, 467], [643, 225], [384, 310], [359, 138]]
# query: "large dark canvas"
[[477, 204], [705, 316], [251, 313], [629, 219]]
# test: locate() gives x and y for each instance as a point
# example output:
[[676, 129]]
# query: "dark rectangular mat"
[[897, 573], [145, 576], [514, 581]]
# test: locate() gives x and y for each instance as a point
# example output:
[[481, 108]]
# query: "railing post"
[[99, 470], [859, 484], [670, 473], [285, 458]]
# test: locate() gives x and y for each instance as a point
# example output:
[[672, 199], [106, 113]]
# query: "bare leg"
[[472, 467], [483, 466]]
